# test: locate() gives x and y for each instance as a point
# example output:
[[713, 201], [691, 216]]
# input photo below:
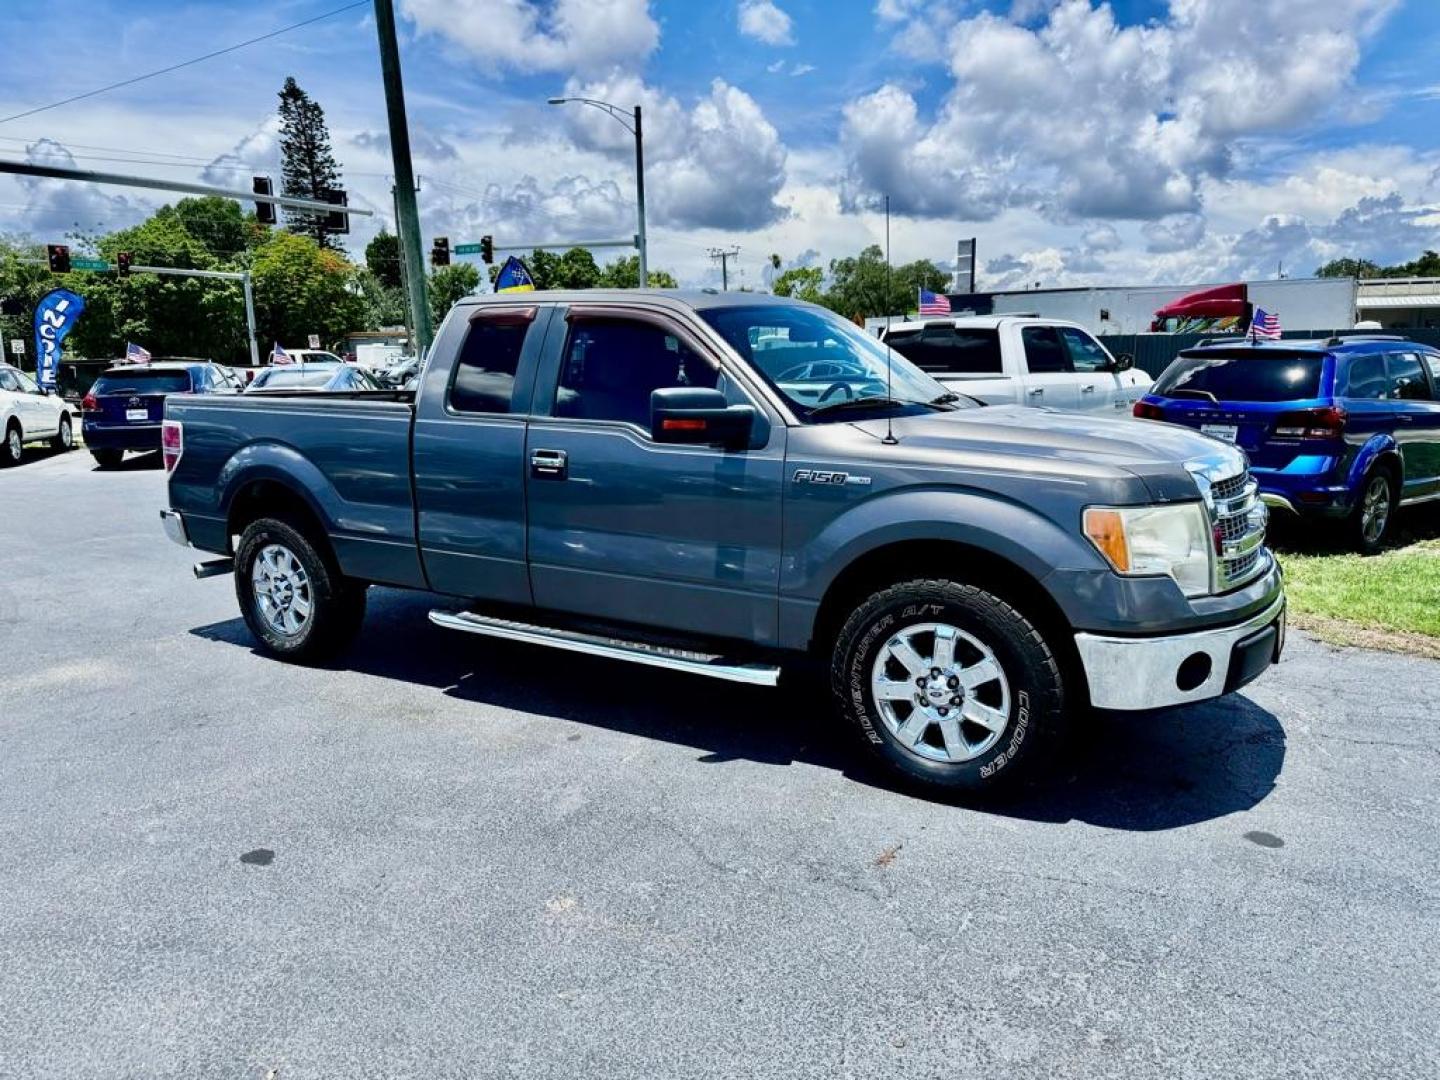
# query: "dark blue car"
[[124, 408], [1340, 429]]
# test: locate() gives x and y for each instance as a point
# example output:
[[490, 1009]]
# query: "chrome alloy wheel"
[[1375, 510], [941, 692], [13, 445], [282, 590]]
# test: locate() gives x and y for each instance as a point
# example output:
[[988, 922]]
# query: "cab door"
[[469, 452], [1417, 422], [1049, 378], [623, 528], [1098, 386]]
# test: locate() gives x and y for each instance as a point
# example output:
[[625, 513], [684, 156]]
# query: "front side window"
[[1367, 378], [8, 381], [612, 365], [1086, 354], [1407, 379], [485, 369], [1044, 354], [824, 366]]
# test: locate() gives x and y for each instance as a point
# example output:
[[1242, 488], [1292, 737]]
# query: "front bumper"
[[1155, 672], [174, 526]]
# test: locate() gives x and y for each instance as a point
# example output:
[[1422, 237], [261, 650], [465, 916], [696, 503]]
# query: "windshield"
[[818, 361], [1269, 377], [277, 377], [143, 381]]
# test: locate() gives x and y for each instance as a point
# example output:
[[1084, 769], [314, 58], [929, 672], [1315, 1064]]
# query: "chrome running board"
[[637, 652]]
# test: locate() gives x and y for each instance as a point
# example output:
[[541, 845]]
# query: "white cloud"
[[764, 21], [1080, 117], [53, 209], [585, 36]]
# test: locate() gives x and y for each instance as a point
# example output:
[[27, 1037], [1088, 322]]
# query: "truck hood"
[[1165, 457]]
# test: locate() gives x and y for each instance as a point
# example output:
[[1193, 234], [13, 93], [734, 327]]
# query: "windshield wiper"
[[863, 403]]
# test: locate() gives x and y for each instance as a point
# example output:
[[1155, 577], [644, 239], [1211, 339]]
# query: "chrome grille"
[[1238, 517]]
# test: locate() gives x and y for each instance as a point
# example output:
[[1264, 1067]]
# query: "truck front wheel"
[[949, 686], [294, 601]]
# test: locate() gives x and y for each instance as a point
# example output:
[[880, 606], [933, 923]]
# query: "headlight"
[[1147, 540]]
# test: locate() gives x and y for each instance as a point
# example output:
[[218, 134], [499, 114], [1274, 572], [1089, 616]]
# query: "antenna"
[[889, 439]]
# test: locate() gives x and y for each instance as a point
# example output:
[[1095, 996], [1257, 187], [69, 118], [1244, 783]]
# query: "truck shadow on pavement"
[[1138, 772]]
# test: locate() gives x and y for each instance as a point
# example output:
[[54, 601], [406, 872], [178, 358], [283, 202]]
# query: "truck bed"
[[350, 450]]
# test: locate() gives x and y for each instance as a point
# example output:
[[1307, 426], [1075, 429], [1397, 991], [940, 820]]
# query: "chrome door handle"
[[1404, 419], [1037, 391], [549, 464], [1089, 388]]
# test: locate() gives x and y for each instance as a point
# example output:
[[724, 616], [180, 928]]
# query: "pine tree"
[[308, 167]]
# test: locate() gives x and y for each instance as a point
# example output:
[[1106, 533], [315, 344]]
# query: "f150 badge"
[[828, 479]]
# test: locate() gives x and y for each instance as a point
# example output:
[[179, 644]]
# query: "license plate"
[[137, 414], [1228, 432]]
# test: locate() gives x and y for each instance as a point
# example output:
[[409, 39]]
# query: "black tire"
[[64, 439], [1364, 537], [12, 448], [336, 605], [108, 459], [1035, 720]]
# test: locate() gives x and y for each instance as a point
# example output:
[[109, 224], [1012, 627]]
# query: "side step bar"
[[637, 652]]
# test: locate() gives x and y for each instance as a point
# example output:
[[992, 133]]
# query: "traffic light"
[[122, 263], [336, 222], [440, 252], [487, 248], [59, 256], [264, 211]]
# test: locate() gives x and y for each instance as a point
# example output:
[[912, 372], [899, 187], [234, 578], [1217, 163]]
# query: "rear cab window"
[[484, 377], [1271, 377]]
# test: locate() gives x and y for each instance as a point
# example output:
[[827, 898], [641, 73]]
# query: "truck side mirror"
[[1124, 362], [699, 416]]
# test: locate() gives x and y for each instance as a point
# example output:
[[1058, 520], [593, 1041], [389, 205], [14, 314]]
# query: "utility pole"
[[407, 223], [404, 276], [723, 256], [640, 198]]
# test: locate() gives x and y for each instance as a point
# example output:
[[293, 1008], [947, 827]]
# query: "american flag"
[[1265, 325], [134, 354], [279, 355], [933, 303]]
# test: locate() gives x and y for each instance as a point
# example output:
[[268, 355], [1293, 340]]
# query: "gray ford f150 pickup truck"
[[716, 482]]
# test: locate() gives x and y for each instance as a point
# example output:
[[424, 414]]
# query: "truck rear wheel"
[[293, 599], [949, 686]]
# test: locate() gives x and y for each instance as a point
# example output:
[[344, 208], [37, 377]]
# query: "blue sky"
[[1138, 141]]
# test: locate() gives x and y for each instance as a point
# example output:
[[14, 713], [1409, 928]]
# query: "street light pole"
[[635, 128]]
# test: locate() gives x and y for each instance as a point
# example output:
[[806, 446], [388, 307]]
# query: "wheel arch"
[[261, 496]]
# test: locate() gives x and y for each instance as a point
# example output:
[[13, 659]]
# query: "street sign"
[[17, 346], [466, 249], [77, 263], [314, 341]]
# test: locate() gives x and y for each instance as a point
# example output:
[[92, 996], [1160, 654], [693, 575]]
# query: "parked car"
[[312, 356], [28, 414], [623, 474], [318, 376], [1344, 430], [398, 373], [126, 404], [1006, 359]]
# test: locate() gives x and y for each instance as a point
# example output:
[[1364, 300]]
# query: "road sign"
[[17, 346], [466, 249], [314, 341], [77, 263]]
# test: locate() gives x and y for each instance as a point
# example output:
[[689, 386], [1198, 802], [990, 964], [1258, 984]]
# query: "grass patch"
[[1397, 591]]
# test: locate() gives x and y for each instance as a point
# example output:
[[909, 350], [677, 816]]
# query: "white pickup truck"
[[1010, 360]]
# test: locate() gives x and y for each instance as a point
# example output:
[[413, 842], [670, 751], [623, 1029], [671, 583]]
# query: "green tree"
[[303, 289], [308, 165], [448, 284], [382, 257], [1356, 268], [383, 306], [577, 269], [862, 286], [221, 227], [624, 273], [803, 283]]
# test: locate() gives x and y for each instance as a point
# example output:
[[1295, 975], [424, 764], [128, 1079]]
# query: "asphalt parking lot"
[[446, 856]]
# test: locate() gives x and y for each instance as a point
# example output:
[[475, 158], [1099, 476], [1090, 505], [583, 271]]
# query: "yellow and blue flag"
[[513, 277]]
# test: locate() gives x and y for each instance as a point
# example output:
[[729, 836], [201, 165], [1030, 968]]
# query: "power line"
[[186, 63]]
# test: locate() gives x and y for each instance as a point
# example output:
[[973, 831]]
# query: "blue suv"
[[124, 408], [1344, 429]]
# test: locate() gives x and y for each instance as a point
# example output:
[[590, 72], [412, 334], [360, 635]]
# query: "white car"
[[1016, 360], [28, 414]]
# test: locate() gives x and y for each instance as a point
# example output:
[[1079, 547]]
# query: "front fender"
[[1001, 527]]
